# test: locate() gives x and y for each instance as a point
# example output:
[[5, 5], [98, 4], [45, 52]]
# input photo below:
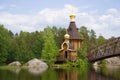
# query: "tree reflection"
[[64, 74], [102, 74]]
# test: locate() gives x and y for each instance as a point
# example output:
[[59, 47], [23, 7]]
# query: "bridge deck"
[[107, 50]]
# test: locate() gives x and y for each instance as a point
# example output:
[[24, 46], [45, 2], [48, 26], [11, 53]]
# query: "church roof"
[[73, 31]]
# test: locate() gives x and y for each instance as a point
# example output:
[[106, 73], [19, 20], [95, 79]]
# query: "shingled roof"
[[73, 31]]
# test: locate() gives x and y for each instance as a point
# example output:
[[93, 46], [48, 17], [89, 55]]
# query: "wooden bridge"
[[107, 50]]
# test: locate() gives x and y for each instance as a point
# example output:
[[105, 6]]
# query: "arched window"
[[65, 46]]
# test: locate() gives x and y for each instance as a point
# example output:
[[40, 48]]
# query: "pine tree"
[[50, 50]]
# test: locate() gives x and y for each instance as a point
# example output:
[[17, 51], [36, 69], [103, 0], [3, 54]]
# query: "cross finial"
[[72, 15], [72, 10]]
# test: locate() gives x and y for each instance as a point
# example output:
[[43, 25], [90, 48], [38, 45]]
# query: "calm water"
[[63, 74]]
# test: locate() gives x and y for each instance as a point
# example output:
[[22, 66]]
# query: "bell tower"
[[73, 32]]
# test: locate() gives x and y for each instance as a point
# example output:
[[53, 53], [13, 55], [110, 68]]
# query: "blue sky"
[[103, 16], [26, 6]]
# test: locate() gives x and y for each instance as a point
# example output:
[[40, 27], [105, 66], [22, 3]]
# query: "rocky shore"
[[115, 61], [35, 66]]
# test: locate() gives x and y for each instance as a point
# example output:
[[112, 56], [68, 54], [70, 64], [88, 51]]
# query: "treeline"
[[41, 44]]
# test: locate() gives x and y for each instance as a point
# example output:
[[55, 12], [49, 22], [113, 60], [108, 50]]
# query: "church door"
[[66, 54]]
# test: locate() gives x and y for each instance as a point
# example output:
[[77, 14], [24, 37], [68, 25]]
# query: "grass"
[[6, 67], [61, 65], [9, 67]]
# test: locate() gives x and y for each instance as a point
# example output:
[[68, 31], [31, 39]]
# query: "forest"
[[44, 44]]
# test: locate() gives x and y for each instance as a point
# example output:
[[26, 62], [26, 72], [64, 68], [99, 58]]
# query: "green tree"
[[37, 46], [50, 50], [84, 35], [11, 48], [82, 53], [92, 38], [23, 49], [101, 40], [4, 41], [58, 33]]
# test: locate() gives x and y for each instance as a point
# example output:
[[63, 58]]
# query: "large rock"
[[15, 63], [113, 61], [36, 66]]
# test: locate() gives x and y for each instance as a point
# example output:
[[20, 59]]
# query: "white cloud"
[[107, 24], [11, 19], [111, 21], [112, 11]]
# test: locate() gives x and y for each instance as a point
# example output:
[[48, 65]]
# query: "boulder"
[[113, 61], [15, 63], [36, 66]]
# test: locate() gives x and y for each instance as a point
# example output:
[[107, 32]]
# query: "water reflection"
[[93, 75], [67, 75], [64, 74], [37, 70], [16, 71], [105, 73]]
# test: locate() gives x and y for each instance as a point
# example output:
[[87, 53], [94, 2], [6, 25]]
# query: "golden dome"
[[66, 36], [72, 17]]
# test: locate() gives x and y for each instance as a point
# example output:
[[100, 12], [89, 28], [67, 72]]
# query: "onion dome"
[[72, 17], [66, 36]]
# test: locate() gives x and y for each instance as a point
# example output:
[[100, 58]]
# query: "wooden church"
[[71, 43]]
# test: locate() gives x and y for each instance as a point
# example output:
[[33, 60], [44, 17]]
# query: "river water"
[[63, 74]]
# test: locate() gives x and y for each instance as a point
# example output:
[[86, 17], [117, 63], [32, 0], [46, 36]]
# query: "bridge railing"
[[108, 49]]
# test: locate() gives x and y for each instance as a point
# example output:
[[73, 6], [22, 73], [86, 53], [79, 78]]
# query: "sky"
[[103, 16]]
